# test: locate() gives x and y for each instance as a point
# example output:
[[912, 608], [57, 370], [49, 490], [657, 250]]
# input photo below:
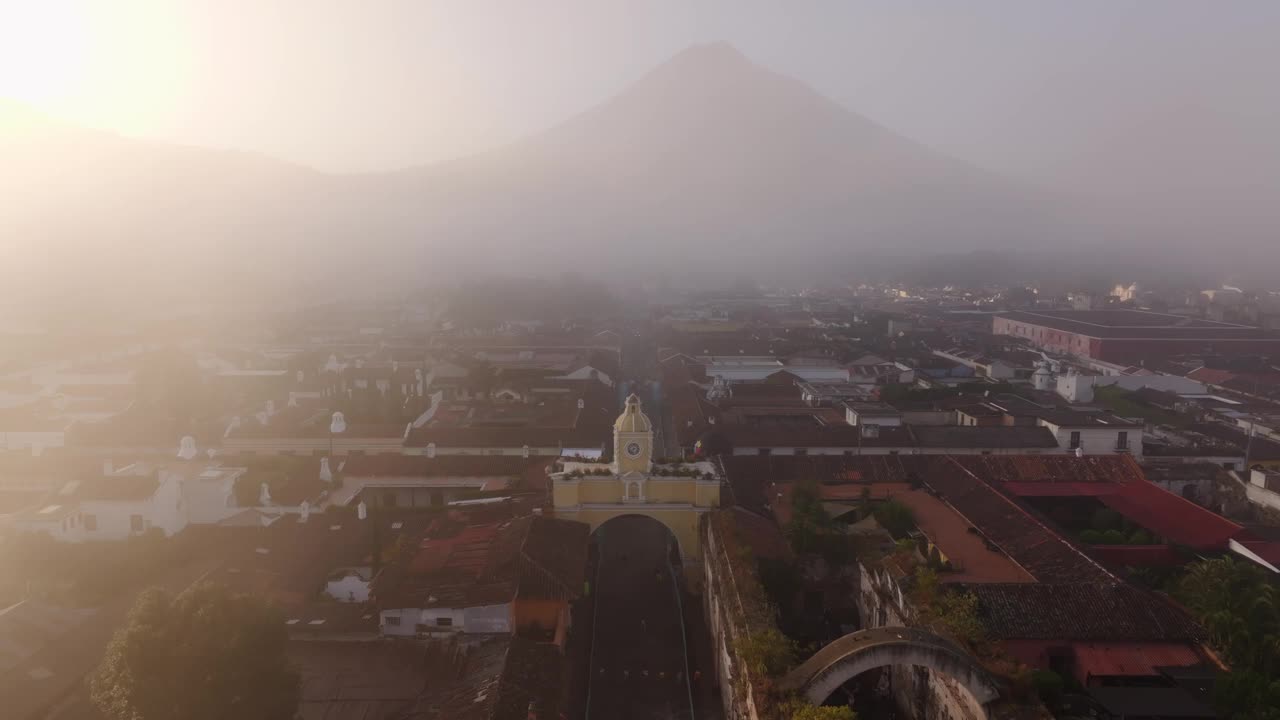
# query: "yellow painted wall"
[[603, 490], [670, 492], [708, 495], [564, 494]]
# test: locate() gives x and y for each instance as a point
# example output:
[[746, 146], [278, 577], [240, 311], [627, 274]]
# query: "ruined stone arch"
[[847, 657]]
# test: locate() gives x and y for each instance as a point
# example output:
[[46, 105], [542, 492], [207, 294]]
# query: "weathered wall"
[[917, 691]]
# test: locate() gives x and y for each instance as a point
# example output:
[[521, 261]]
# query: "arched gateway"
[[674, 494], [834, 665]]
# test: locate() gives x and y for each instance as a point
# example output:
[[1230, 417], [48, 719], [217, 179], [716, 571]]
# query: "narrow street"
[[638, 665]]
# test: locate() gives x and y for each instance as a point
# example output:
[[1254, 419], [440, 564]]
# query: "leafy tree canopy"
[[206, 654], [801, 710]]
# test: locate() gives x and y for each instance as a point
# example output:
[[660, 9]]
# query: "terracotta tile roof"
[[973, 560], [1172, 517], [1029, 542], [555, 552], [1059, 489], [1268, 550], [755, 480], [500, 679], [488, 564], [1132, 659], [1053, 468], [1108, 611]]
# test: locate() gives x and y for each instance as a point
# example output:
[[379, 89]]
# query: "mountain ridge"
[[705, 156]]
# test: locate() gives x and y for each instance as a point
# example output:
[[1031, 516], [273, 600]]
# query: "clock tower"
[[632, 440]]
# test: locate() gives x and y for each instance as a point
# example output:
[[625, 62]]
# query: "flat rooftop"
[[1133, 324]]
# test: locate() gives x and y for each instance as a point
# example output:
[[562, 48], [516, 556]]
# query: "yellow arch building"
[[674, 494]]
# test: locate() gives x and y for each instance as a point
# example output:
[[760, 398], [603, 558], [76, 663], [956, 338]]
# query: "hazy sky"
[[345, 85]]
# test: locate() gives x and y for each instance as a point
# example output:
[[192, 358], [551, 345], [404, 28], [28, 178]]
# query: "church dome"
[[632, 419]]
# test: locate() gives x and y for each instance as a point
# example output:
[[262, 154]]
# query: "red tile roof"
[[1268, 550], [1133, 659], [1059, 489], [1027, 540], [1081, 611], [972, 559], [1172, 517]]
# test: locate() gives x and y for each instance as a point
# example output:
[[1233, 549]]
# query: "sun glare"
[[42, 50]]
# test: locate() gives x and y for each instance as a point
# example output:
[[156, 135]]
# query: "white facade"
[[177, 501], [99, 520], [1098, 440], [1079, 388], [479, 620], [210, 495], [349, 586], [880, 418]]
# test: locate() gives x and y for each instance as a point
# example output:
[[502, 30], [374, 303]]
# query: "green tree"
[[808, 518], [1240, 607], [767, 652], [801, 710], [951, 612], [206, 654], [895, 517], [1106, 519]]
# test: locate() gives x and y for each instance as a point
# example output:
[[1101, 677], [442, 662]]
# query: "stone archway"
[[672, 536], [834, 665]]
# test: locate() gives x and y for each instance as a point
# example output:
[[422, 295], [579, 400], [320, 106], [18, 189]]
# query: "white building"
[[1087, 435], [134, 500], [349, 584]]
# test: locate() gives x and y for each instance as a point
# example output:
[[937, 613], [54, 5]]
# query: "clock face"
[[633, 449]]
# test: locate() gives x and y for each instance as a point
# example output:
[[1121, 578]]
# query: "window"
[[1122, 440], [1075, 439], [392, 620], [765, 451], [802, 451], [91, 522], [444, 622], [137, 524]]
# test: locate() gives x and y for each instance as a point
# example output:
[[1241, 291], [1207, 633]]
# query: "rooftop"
[[1131, 324], [1081, 611]]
